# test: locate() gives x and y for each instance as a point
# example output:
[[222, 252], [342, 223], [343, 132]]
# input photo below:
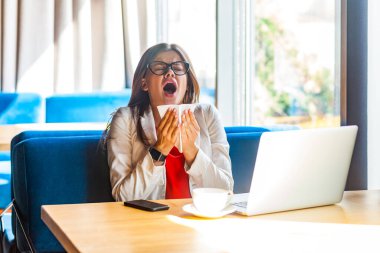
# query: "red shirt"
[[177, 180]]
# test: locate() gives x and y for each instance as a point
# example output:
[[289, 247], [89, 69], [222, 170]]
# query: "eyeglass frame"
[[169, 66]]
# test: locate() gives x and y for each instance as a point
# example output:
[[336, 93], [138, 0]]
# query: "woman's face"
[[168, 88]]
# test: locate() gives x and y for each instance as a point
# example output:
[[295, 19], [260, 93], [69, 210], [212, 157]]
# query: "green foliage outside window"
[[313, 93]]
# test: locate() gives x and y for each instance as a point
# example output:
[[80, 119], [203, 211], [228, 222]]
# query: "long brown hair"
[[139, 101]]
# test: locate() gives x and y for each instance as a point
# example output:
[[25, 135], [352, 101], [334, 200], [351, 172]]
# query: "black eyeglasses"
[[160, 68]]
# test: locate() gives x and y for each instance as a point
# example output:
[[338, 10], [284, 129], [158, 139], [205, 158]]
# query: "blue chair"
[[16, 108], [85, 107], [5, 183], [5, 156]]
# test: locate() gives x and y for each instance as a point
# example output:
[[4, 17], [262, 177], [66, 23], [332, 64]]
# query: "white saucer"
[[190, 208]]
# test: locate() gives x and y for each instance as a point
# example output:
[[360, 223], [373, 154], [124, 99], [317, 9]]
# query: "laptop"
[[298, 169]]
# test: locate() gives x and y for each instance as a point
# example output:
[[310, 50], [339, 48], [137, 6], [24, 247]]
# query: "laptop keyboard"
[[241, 204]]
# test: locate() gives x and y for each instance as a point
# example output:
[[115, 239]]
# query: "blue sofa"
[[75, 170], [85, 107]]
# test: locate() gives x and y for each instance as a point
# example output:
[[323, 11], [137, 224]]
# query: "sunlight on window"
[[295, 56]]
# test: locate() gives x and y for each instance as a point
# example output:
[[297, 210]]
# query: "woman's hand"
[[189, 132], [167, 132]]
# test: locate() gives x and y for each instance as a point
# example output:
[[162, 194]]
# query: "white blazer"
[[133, 173]]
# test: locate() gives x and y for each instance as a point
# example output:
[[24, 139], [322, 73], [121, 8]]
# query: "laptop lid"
[[300, 169]]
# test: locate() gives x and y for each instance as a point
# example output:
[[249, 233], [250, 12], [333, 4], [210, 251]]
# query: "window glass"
[[296, 78]]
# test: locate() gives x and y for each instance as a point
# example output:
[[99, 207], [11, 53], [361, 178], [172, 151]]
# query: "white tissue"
[[180, 109]]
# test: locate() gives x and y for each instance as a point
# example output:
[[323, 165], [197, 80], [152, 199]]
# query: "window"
[[285, 62]]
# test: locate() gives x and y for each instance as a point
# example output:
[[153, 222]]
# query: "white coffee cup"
[[211, 200]]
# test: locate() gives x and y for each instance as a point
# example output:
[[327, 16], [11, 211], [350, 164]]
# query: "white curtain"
[[65, 46]]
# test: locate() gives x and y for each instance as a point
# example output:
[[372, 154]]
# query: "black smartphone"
[[146, 205]]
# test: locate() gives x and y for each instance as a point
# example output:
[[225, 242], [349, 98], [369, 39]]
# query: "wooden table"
[[7, 132], [350, 226]]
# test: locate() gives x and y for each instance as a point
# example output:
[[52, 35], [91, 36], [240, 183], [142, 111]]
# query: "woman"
[[142, 148]]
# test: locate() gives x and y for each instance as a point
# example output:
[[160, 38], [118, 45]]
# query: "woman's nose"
[[169, 73]]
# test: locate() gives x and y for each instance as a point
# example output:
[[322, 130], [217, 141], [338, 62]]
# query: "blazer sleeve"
[[213, 170], [131, 180]]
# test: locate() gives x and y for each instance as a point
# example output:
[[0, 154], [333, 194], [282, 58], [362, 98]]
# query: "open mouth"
[[170, 88]]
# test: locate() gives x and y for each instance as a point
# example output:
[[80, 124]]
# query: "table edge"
[[61, 237]]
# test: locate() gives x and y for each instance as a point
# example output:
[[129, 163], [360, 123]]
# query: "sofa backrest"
[[243, 150], [52, 133], [85, 107], [245, 129], [56, 170], [16, 108]]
